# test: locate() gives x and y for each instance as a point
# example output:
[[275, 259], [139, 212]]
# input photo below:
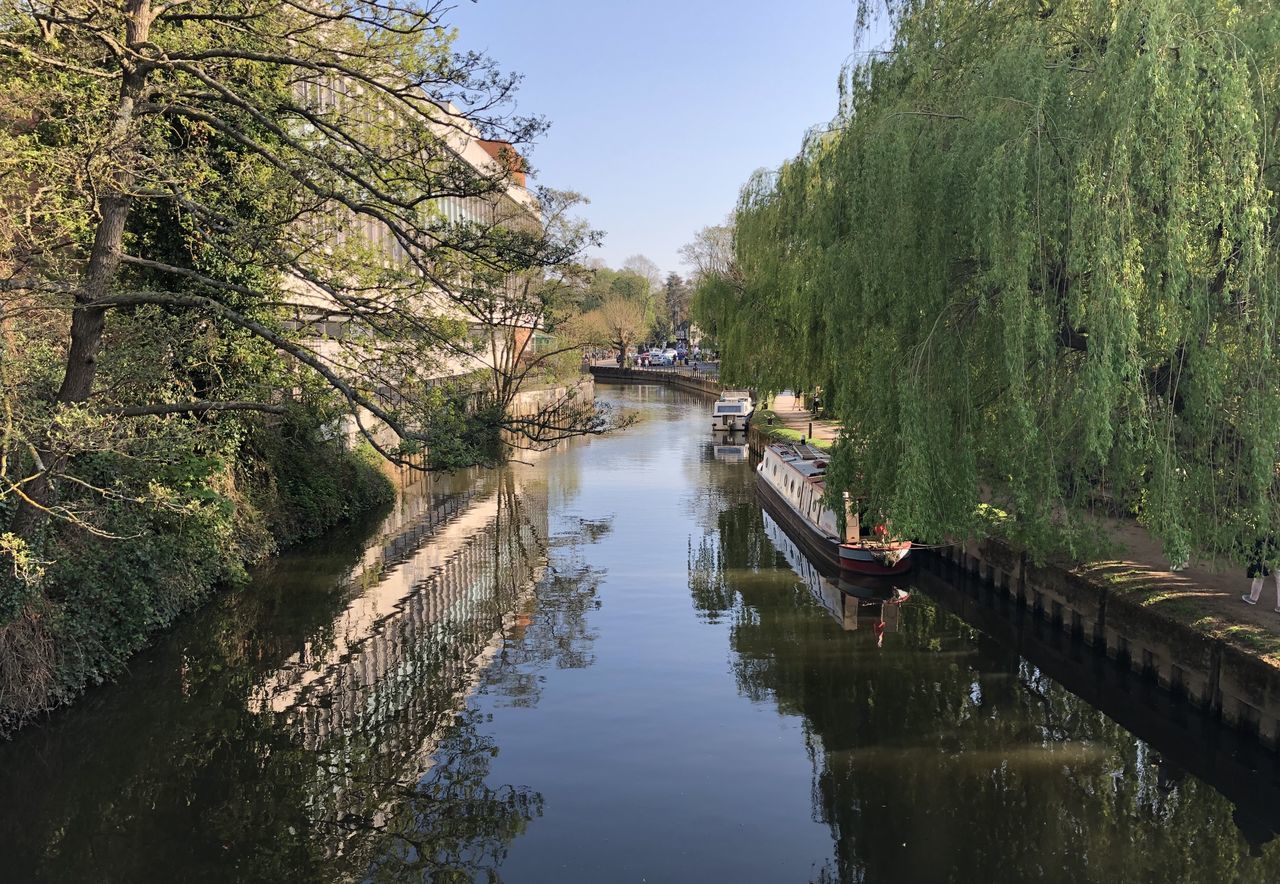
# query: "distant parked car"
[[669, 356]]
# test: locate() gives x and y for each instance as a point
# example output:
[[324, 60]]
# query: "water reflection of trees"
[[451, 825], [944, 756], [176, 771], [556, 632], [736, 552]]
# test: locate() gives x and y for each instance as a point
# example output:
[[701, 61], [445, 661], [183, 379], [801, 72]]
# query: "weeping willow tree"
[[1033, 261]]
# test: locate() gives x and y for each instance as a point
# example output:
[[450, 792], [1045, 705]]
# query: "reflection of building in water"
[[873, 605], [373, 695]]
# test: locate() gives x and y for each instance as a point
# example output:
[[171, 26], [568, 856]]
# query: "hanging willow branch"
[[1069, 297]]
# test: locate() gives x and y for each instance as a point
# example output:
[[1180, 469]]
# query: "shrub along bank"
[[103, 593]]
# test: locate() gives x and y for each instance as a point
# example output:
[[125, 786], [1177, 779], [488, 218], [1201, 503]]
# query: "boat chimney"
[[852, 530]]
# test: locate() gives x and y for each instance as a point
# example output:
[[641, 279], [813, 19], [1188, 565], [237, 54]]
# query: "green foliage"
[[1034, 259], [461, 437], [151, 561], [111, 595], [302, 488], [248, 217]]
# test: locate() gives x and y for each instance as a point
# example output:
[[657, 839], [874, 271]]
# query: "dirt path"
[[791, 415], [1205, 595]]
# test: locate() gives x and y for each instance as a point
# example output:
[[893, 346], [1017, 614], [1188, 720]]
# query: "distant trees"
[[718, 304], [676, 296], [710, 253], [614, 300], [1033, 259], [639, 265], [620, 321]]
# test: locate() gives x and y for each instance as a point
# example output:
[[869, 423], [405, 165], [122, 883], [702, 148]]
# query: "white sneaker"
[[1251, 600]]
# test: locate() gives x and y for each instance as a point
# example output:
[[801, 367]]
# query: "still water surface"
[[599, 667]]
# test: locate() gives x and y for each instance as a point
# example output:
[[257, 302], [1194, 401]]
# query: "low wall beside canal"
[[1220, 679], [604, 374]]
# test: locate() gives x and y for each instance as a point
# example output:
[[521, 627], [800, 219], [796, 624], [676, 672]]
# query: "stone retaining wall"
[[1219, 678], [689, 383]]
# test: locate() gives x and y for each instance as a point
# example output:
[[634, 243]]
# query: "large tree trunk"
[[89, 317]]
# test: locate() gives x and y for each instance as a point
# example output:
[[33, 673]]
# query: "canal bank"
[[1114, 607], [1187, 632], [689, 382]]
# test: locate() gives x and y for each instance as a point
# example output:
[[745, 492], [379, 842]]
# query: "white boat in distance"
[[732, 411]]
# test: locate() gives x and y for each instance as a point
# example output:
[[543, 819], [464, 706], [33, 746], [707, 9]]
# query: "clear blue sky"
[[660, 110]]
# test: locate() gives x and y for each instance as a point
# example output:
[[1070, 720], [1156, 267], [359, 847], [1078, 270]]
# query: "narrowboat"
[[792, 478]]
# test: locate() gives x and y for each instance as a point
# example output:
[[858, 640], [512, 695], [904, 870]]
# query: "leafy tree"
[[711, 251], [639, 265], [676, 291], [619, 321], [228, 227], [341, 126], [641, 279], [717, 295], [1033, 260], [513, 312]]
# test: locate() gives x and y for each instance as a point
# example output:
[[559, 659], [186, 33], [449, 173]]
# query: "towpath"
[[789, 413]]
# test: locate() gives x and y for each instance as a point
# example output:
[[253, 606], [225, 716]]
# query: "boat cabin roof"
[[735, 394], [807, 460]]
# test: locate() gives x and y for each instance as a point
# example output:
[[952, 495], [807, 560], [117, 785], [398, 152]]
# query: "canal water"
[[608, 664]]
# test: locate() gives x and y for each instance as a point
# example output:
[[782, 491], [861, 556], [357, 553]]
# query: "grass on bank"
[[1180, 600], [777, 432]]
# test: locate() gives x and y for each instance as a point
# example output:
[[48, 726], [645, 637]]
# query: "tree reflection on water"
[[315, 725], [451, 825], [945, 756]]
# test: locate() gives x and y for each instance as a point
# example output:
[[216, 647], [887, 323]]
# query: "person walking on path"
[[1259, 570]]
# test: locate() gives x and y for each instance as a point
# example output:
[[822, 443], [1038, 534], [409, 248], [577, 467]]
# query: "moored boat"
[[732, 411], [854, 601], [793, 477]]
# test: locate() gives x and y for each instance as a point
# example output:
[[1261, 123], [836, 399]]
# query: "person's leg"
[[1255, 590], [1277, 576]]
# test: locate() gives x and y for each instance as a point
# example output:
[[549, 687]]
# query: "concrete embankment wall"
[[689, 383], [530, 401], [1220, 679]]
